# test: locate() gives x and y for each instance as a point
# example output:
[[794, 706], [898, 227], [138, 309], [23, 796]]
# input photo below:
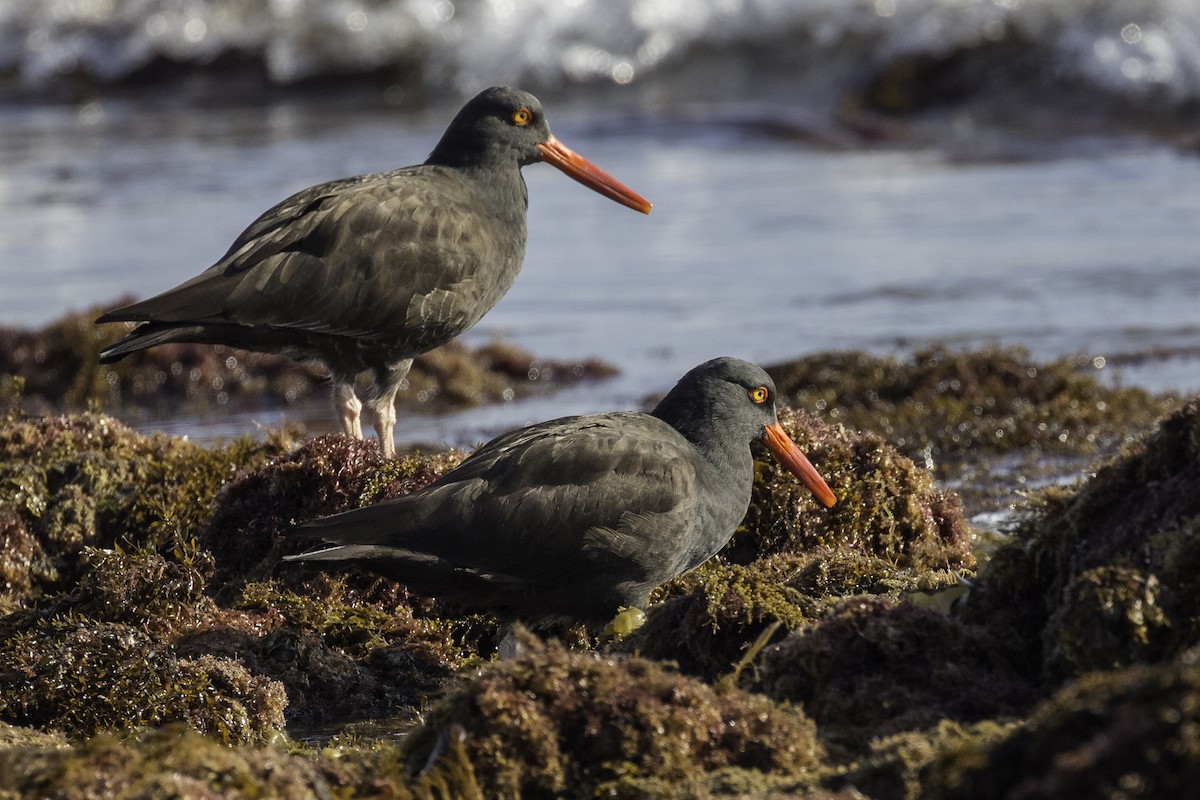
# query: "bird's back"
[[382, 266]]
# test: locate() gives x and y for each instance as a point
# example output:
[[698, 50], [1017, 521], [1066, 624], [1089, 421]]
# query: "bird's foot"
[[349, 409], [624, 623]]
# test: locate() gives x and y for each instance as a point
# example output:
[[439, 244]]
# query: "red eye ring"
[[522, 116], [759, 394]]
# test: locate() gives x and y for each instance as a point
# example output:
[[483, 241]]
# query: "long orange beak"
[[559, 155], [784, 449]]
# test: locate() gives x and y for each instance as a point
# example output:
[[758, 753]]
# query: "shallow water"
[[759, 246]]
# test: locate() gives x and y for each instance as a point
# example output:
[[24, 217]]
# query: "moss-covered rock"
[[557, 723]]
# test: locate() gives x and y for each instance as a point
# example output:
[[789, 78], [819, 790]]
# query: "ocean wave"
[[1126, 49]]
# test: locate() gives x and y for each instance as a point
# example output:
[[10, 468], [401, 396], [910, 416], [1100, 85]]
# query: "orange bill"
[[784, 449], [559, 155]]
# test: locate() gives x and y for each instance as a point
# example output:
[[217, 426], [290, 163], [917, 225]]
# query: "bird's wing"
[[350, 258], [559, 495]]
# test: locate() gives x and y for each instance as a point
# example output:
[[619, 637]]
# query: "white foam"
[[1124, 48]]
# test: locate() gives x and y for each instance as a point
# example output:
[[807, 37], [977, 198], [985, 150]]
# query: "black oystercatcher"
[[576, 517], [367, 272]]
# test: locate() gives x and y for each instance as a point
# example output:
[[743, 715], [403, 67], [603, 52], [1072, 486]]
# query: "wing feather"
[[562, 495], [397, 245]]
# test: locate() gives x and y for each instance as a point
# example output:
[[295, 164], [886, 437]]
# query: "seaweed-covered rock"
[[1128, 733], [325, 475], [990, 422], [86, 480], [81, 676], [343, 650], [328, 474], [175, 762], [58, 368], [142, 588], [1107, 573], [1108, 617], [941, 401], [25, 567], [873, 667], [556, 723], [887, 505], [902, 766]]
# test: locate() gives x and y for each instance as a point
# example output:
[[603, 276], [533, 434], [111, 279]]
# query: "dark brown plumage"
[[576, 517], [366, 273]]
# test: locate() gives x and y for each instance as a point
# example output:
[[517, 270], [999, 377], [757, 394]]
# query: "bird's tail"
[[349, 552], [149, 335]]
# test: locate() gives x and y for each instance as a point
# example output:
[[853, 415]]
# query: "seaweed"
[[552, 722], [1102, 574]]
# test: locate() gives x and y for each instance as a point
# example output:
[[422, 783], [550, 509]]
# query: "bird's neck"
[[494, 172], [700, 424]]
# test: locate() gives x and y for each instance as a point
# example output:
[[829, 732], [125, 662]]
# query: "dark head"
[[730, 400], [502, 127]]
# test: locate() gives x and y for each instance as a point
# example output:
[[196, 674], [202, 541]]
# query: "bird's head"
[[503, 125], [734, 400]]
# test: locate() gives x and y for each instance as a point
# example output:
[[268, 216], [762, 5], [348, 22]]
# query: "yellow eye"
[[759, 394], [522, 116]]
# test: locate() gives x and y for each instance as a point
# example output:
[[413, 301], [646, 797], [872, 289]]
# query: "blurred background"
[[827, 175]]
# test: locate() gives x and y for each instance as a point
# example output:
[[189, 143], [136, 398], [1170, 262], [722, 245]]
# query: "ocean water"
[[778, 229]]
